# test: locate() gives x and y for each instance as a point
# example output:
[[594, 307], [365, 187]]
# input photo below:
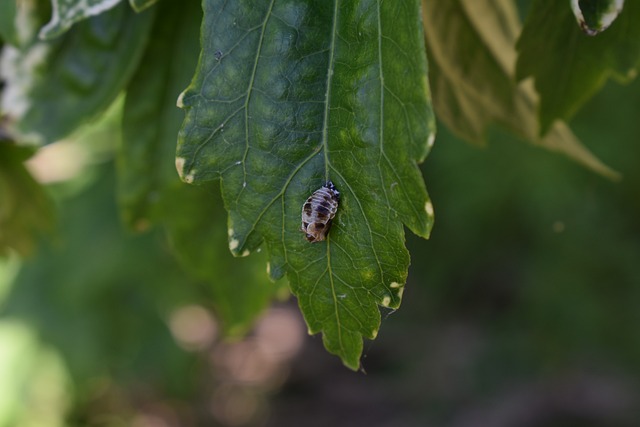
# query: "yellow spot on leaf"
[[180, 165], [428, 207], [189, 178], [386, 301], [431, 140], [179, 102]]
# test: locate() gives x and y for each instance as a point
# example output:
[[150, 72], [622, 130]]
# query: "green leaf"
[[68, 12], [140, 5], [151, 120], [288, 95], [108, 295], [25, 208], [149, 189], [21, 20], [33, 375], [239, 288], [595, 16], [53, 87], [471, 46], [7, 19], [569, 66]]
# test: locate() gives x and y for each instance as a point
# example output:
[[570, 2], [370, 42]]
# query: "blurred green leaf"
[[103, 297], [290, 95], [151, 120], [68, 12], [239, 288], [150, 190], [568, 66], [25, 208], [471, 46], [53, 87], [35, 384], [20, 21], [595, 16], [7, 21], [140, 5]]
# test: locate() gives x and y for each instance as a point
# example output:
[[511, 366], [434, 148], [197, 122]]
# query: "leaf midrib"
[[325, 138]]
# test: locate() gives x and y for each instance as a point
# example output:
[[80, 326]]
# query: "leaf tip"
[[595, 21], [426, 223], [428, 207], [386, 301], [180, 161], [180, 100], [275, 271], [188, 178], [233, 244], [431, 140]]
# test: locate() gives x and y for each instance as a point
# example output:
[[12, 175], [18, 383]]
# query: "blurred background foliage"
[[521, 311]]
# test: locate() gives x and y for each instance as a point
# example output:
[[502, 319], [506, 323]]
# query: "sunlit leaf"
[[471, 46], [568, 66], [53, 87], [288, 95], [150, 190]]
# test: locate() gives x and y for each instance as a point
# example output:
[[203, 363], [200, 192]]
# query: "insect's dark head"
[[332, 187]]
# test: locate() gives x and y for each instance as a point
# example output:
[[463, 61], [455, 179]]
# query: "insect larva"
[[318, 211]]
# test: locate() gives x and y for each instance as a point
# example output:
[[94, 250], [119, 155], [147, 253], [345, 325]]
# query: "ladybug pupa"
[[318, 212]]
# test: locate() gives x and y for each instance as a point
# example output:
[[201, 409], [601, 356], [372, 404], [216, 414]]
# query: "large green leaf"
[[569, 66], [52, 87], [68, 12], [471, 46], [290, 94], [150, 190], [25, 208]]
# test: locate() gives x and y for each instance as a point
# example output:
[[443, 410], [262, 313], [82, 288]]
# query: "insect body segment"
[[318, 211]]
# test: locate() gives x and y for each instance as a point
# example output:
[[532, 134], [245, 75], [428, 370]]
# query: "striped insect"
[[318, 211]]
